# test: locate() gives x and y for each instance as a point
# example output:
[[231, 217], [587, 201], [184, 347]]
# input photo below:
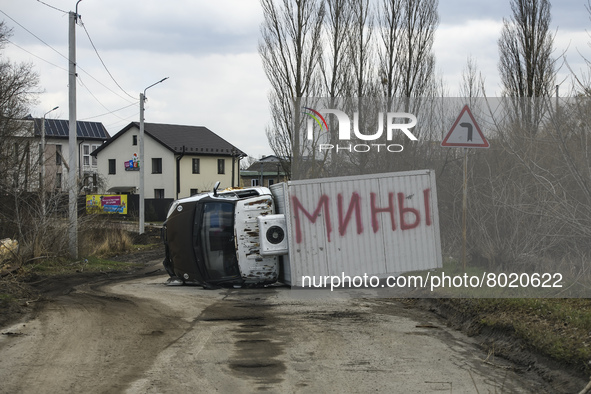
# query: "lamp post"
[[141, 158], [42, 162]]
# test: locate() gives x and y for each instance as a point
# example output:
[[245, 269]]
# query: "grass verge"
[[558, 328], [52, 267], [555, 327]]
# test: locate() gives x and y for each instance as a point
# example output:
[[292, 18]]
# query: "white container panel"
[[354, 248], [397, 232]]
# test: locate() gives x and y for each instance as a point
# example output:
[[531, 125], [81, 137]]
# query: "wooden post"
[[464, 209]]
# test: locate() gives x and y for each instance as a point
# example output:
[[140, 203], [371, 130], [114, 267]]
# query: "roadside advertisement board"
[[106, 203]]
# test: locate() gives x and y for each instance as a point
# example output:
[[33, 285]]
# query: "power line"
[[103, 63], [33, 34], [38, 57], [97, 100], [119, 121], [103, 85], [112, 112], [50, 6], [56, 51]]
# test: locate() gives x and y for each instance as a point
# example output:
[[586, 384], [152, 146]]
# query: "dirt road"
[[139, 336]]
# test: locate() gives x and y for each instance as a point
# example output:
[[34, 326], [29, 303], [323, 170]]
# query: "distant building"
[[180, 161], [265, 172], [30, 173]]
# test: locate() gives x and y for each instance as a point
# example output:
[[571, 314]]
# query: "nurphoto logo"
[[396, 122]]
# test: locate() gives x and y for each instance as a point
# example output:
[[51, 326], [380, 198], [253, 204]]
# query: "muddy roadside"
[[27, 294]]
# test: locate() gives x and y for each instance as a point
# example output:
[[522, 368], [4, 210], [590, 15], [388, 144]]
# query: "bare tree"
[[18, 88], [407, 71], [416, 61], [18, 85], [472, 81], [362, 49], [526, 66], [290, 51], [335, 62], [390, 27], [332, 48], [24, 214], [582, 82], [335, 66]]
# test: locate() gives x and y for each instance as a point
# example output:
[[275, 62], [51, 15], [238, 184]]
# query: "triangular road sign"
[[465, 132]]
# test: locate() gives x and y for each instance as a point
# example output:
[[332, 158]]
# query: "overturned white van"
[[378, 224]]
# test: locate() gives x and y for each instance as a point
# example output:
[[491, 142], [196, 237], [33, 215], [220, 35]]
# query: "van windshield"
[[217, 240]]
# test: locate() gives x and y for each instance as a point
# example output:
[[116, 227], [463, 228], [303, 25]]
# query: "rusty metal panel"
[[380, 224], [254, 268]]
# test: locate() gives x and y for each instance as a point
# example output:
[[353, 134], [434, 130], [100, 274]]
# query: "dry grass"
[[104, 239]]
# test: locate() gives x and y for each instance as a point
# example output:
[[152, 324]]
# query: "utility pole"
[[42, 162], [141, 158], [72, 140]]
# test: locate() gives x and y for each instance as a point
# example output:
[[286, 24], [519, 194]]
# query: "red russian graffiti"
[[375, 225], [354, 204], [322, 203], [399, 214]]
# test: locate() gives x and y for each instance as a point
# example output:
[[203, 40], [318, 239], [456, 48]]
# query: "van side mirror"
[[215, 188]]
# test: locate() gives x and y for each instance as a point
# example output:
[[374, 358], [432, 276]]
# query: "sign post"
[[465, 133]]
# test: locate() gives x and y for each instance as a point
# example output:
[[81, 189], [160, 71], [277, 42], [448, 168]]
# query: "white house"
[[180, 160]]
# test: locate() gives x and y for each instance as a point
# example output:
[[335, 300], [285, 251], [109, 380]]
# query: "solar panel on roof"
[[60, 128]]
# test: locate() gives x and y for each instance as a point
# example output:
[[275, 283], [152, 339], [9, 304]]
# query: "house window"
[[157, 166], [195, 166], [221, 166], [112, 166], [58, 181], [254, 182], [94, 147], [271, 182], [58, 155], [158, 193], [86, 154], [134, 142], [194, 191]]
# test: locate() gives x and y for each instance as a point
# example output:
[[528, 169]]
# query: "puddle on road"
[[257, 343]]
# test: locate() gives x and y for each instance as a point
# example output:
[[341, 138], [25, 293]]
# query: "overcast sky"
[[209, 51]]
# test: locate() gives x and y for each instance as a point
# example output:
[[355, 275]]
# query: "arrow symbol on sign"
[[469, 127]]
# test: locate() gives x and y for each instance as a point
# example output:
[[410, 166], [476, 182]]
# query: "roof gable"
[[183, 139]]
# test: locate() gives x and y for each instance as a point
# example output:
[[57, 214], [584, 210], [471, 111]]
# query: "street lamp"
[[141, 158], [42, 161]]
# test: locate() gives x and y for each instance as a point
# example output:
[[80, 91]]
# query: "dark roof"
[[58, 128], [195, 139], [268, 166], [270, 159]]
